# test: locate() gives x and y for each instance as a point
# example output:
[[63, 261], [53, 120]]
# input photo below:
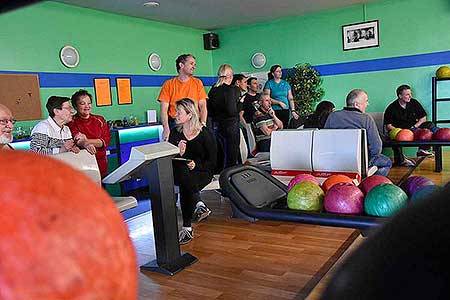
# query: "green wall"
[[406, 27], [32, 37]]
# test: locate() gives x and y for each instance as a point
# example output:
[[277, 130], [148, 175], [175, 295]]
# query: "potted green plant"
[[306, 87]]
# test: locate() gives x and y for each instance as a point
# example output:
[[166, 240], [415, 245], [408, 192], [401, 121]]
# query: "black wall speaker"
[[210, 41]]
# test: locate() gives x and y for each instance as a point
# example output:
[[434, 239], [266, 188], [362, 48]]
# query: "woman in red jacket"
[[90, 131]]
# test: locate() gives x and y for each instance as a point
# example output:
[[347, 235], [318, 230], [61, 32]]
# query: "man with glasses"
[[354, 116], [6, 127], [52, 136]]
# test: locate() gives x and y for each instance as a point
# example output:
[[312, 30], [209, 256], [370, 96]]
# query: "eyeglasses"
[[5, 121], [71, 109]]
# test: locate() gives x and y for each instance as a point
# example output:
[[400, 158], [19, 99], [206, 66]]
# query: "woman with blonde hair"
[[193, 167], [223, 109]]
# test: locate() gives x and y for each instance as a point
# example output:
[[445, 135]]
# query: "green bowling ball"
[[384, 200], [393, 133], [305, 196]]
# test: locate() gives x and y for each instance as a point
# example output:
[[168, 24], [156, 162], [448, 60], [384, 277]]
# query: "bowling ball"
[[425, 192], [443, 72], [334, 179], [384, 200], [414, 183], [305, 196], [423, 134], [61, 235], [442, 134], [370, 182], [405, 135], [301, 178], [344, 198], [393, 133]]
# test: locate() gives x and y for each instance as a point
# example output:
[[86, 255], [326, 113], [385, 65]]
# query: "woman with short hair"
[[90, 131]]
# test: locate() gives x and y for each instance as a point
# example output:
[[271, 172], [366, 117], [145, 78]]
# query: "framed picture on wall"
[[360, 35]]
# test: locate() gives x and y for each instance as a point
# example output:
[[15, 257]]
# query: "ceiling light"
[[151, 4]]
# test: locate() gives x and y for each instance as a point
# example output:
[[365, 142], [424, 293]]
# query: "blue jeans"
[[383, 163]]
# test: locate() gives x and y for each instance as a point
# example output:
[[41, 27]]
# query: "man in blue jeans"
[[354, 116]]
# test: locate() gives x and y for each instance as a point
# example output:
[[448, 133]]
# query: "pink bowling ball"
[[300, 178]]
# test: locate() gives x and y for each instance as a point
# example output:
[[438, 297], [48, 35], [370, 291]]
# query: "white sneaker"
[[408, 163], [185, 236], [424, 153], [201, 213]]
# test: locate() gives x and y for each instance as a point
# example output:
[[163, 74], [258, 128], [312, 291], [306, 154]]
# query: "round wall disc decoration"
[[154, 62], [69, 56]]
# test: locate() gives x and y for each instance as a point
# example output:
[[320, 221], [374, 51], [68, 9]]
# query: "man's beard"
[[5, 140]]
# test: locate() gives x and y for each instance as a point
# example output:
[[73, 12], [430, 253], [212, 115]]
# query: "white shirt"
[[47, 137]]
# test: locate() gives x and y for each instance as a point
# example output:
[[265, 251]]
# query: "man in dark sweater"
[[353, 116], [249, 101], [407, 113]]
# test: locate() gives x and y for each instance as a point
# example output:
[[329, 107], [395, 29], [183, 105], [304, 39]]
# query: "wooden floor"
[[262, 260]]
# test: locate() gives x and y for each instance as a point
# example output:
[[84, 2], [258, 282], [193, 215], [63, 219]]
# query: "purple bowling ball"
[[344, 198], [413, 183], [300, 178]]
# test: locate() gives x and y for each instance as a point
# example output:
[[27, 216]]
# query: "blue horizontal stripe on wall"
[[382, 64], [69, 80]]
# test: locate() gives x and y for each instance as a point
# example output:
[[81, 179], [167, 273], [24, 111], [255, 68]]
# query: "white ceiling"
[[212, 14]]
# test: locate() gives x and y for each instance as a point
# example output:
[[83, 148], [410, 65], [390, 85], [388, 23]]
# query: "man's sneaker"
[[424, 153], [201, 213], [185, 236], [408, 163]]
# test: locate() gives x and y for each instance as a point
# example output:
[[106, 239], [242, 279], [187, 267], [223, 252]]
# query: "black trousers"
[[283, 115], [190, 183], [228, 133]]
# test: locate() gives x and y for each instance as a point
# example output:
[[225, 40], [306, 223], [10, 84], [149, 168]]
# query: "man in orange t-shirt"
[[185, 85]]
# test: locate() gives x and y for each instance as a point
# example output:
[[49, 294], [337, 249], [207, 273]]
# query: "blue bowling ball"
[[434, 129], [425, 192]]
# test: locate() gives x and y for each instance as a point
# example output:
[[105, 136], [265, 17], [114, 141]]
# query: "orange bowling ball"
[[61, 235], [335, 179], [405, 135]]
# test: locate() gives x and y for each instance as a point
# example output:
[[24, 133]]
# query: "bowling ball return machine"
[[257, 195]]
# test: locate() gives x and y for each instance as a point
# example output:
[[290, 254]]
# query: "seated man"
[[52, 136], [265, 121], [353, 116], [6, 127], [406, 113]]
